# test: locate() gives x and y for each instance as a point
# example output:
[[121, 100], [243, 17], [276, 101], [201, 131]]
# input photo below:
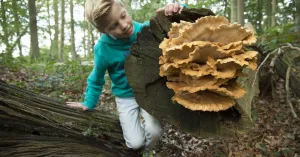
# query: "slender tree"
[[269, 13], [226, 13], [273, 17], [17, 24], [259, 15], [54, 43], [90, 40], [34, 44], [49, 24], [240, 11], [84, 42], [233, 13], [297, 15], [62, 31], [73, 50], [4, 37]]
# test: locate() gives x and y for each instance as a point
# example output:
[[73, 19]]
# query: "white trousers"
[[136, 133]]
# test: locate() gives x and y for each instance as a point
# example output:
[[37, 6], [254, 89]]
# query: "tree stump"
[[35, 125], [152, 94]]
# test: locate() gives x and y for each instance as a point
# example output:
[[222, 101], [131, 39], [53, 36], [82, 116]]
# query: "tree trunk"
[[62, 31], [54, 44], [297, 15], [233, 13], [269, 13], [152, 94], [226, 12], [90, 41], [84, 40], [240, 12], [35, 125], [17, 25], [259, 15], [273, 17], [49, 27], [34, 44], [73, 50], [4, 29]]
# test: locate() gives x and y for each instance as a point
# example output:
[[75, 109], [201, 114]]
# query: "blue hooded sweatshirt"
[[110, 54]]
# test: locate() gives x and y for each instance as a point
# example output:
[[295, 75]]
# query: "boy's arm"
[[95, 82]]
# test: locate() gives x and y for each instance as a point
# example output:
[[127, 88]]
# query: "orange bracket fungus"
[[202, 61]]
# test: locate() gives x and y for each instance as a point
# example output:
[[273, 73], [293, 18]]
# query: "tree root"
[[287, 88]]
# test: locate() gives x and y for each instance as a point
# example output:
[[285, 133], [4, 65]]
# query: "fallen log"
[[142, 70], [290, 57], [36, 125]]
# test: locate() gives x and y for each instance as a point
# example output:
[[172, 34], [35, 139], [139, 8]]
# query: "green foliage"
[[145, 11], [278, 35], [55, 79]]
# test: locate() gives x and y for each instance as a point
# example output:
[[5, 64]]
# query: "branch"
[[293, 47], [273, 61], [287, 88], [256, 73], [279, 52]]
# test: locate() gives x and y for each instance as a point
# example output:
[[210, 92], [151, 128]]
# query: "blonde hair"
[[95, 10]]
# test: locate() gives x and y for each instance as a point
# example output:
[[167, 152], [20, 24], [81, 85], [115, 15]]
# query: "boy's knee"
[[136, 143], [157, 133]]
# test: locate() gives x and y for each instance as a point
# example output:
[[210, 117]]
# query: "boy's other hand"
[[171, 8], [77, 105]]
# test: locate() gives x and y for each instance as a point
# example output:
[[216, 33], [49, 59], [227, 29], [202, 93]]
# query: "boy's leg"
[[133, 133], [153, 129]]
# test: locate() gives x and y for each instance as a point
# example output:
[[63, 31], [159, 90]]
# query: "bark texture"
[[151, 92], [35, 125]]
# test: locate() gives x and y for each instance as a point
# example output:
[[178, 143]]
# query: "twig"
[[287, 88], [293, 47], [273, 61], [255, 76]]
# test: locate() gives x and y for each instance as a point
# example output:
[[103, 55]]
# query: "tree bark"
[[273, 17], [226, 12], [54, 43], [233, 13], [84, 40], [4, 37], [17, 25], [49, 27], [62, 31], [240, 12], [269, 13], [297, 15], [90, 41], [35, 125], [73, 49], [282, 63], [34, 44], [259, 15], [152, 94]]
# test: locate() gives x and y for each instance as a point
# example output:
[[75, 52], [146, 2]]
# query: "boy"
[[119, 32]]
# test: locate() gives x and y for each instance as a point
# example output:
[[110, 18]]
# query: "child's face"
[[118, 22]]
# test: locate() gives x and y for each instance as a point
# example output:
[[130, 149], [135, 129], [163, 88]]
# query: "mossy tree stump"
[[152, 94]]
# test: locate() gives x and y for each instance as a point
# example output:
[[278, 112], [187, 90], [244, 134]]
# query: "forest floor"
[[275, 132]]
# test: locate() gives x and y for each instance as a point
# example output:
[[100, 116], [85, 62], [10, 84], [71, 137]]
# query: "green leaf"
[[87, 132]]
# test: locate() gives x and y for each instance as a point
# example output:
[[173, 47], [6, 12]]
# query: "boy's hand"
[[77, 105], [171, 8]]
